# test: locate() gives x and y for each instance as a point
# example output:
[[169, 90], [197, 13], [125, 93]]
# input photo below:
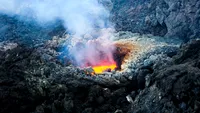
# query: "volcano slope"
[[164, 79], [34, 80], [175, 87]]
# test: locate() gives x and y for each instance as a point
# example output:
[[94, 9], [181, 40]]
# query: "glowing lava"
[[102, 68]]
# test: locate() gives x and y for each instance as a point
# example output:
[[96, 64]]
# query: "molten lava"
[[101, 56], [102, 68]]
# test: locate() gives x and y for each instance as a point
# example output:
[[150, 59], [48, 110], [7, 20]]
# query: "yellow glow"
[[101, 69]]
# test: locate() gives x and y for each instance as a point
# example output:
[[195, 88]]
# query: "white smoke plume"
[[81, 17]]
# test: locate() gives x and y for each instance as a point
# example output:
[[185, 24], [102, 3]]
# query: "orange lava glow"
[[102, 68], [116, 60]]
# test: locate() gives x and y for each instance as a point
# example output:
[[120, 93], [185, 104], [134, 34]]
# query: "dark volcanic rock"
[[27, 31], [28, 83], [20, 92], [174, 88], [171, 18], [34, 80]]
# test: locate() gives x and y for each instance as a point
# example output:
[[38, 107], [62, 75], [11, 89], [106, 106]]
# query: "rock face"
[[30, 82], [173, 88], [34, 80], [170, 18]]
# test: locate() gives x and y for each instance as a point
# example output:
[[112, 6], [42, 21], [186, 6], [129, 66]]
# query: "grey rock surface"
[[33, 79], [170, 18], [166, 85], [175, 87]]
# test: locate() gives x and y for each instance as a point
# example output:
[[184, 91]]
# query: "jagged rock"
[[171, 87], [53, 87], [170, 18], [162, 80]]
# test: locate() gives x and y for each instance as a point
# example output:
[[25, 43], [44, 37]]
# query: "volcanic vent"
[[97, 56]]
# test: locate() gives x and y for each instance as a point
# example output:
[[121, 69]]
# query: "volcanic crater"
[[124, 51], [99, 56]]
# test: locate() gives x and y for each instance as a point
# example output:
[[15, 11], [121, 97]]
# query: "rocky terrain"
[[170, 18], [175, 87], [35, 80], [162, 76]]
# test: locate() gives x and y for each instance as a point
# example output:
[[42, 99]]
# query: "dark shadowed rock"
[[173, 88], [170, 18]]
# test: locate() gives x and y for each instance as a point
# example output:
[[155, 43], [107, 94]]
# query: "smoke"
[[79, 16], [95, 52], [88, 20]]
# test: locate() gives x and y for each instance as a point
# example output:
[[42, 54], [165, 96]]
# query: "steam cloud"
[[81, 17]]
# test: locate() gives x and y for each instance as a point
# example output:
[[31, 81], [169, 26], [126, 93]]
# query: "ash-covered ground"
[[161, 72]]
